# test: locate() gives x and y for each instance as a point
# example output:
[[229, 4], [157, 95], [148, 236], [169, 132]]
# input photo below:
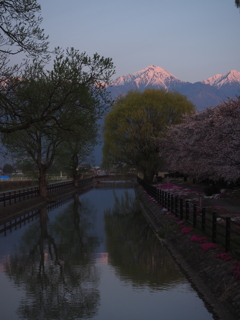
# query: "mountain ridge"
[[209, 92]]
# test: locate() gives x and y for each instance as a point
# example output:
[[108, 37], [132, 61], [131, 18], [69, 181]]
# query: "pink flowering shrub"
[[198, 239], [180, 222], [186, 230], [236, 270], [169, 212], [208, 246], [224, 256], [169, 186]]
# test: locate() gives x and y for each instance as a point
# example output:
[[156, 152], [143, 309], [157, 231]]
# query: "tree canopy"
[[20, 31], [77, 81], [54, 107], [206, 144], [132, 124]]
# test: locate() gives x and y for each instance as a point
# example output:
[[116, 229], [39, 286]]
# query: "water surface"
[[92, 258]]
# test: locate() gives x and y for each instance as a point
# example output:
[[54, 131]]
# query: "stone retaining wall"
[[211, 276]]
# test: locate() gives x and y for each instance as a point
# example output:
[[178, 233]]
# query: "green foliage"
[[44, 111], [237, 3], [132, 124], [77, 149], [8, 168], [37, 96], [20, 32]]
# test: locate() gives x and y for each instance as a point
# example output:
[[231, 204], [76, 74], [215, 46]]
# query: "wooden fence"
[[221, 229]]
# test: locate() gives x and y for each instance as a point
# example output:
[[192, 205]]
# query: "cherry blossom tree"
[[206, 144]]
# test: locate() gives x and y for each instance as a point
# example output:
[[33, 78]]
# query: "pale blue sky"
[[192, 39]]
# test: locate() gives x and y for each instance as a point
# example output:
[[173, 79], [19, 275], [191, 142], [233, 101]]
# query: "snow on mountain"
[[152, 76], [232, 77], [212, 80], [209, 92]]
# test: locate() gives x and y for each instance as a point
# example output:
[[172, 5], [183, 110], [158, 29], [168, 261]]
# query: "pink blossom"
[[206, 144], [198, 239], [236, 270], [187, 230], [208, 246], [180, 222], [224, 256]]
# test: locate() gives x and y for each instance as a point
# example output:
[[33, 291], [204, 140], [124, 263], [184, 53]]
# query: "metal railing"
[[11, 197], [221, 229]]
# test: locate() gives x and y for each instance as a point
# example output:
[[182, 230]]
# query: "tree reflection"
[[53, 265], [134, 250]]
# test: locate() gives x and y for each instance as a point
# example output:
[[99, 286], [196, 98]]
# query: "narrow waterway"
[[94, 257]]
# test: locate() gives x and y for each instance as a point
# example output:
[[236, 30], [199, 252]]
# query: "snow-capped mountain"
[[219, 80], [150, 76], [209, 92]]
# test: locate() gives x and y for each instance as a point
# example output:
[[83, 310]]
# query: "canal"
[[93, 257]]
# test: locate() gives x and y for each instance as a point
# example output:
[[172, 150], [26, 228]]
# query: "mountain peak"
[[209, 92], [221, 79], [148, 77]]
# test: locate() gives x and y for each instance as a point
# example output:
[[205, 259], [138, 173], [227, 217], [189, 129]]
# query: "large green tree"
[[67, 99], [37, 96], [132, 124], [77, 149]]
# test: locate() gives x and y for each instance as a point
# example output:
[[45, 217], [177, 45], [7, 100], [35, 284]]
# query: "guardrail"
[[11, 197], [221, 229], [16, 222]]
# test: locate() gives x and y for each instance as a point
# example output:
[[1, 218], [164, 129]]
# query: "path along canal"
[[93, 257]]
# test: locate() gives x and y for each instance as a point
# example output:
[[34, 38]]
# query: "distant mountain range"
[[209, 92]]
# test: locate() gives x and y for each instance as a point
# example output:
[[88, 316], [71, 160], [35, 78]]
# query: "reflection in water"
[[67, 267], [134, 251], [53, 265]]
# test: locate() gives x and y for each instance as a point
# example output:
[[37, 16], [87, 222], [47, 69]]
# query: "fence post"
[[168, 202], [187, 210], [4, 199], [194, 215], [214, 226], [159, 196], [172, 203], [228, 234], [10, 200], [176, 206], [203, 219], [181, 209]]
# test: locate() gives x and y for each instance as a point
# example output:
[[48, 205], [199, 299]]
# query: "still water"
[[94, 257]]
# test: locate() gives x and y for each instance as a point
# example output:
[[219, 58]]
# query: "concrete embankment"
[[210, 276]]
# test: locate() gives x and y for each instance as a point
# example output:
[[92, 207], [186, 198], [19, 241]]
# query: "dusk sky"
[[193, 40]]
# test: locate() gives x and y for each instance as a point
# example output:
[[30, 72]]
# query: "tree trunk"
[[148, 176], [75, 182], [75, 178], [42, 183]]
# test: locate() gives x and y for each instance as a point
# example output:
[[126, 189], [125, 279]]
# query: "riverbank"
[[210, 275]]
